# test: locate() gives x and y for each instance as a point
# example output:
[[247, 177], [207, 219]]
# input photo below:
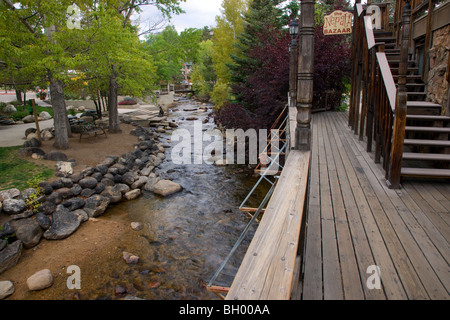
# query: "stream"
[[185, 237]]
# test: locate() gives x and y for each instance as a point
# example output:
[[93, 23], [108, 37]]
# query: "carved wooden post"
[[305, 76], [401, 109], [293, 68]]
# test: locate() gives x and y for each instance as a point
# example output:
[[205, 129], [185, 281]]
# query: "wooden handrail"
[[388, 79]]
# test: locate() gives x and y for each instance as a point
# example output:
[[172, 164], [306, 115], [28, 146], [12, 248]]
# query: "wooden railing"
[[378, 108]]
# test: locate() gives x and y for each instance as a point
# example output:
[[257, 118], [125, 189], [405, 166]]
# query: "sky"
[[199, 13]]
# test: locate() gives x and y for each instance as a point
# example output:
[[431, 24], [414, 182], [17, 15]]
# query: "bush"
[[128, 102]]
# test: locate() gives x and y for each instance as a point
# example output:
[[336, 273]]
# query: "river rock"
[[120, 169], [32, 143], [46, 187], [64, 223], [13, 206], [45, 115], [76, 190], [134, 194], [3, 244], [40, 280], [48, 207], [46, 135], [130, 258], [166, 188], [74, 204], [87, 193], [28, 231], [109, 161], [28, 119], [9, 194], [88, 183], [65, 167], [113, 194], [96, 205], [65, 193], [82, 215], [150, 185], [6, 289], [137, 226], [10, 255], [139, 182], [130, 177], [9, 109], [43, 221], [147, 170], [123, 188]]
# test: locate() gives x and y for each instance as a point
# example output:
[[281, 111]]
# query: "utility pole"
[[305, 76]]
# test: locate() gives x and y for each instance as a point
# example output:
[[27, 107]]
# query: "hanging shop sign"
[[339, 22]]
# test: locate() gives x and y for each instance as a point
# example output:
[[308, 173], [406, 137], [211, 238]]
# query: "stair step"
[[428, 118], [416, 93], [427, 143], [424, 108], [396, 62], [428, 129], [385, 39], [409, 76], [426, 156], [425, 173], [410, 69], [382, 33]]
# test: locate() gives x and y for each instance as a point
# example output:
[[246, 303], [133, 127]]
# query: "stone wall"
[[437, 89]]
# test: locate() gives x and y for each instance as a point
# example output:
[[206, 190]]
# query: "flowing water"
[[186, 236]]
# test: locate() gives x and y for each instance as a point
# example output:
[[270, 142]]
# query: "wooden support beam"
[[398, 136], [305, 76]]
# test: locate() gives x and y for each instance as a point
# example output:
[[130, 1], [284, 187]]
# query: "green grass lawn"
[[16, 171]]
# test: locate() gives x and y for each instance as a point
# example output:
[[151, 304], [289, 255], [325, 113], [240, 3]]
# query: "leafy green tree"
[[203, 75], [170, 50], [229, 26]]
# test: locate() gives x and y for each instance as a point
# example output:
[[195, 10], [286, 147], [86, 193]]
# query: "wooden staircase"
[[426, 145]]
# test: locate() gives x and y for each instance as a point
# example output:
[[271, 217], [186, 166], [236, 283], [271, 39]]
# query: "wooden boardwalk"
[[354, 221]]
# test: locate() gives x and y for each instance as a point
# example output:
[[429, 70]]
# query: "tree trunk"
[[19, 95], [114, 126], [59, 114]]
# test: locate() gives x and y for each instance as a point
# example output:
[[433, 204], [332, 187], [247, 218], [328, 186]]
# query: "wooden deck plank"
[[267, 270], [368, 207], [312, 262], [332, 283], [351, 281], [363, 252], [414, 240]]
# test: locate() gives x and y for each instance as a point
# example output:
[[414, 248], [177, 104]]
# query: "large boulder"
[[64, 223], [9, 109], [28, 231], [96, 205], [9, 194], [13, 206], [10, 255], [45, 115], [166, 188]]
